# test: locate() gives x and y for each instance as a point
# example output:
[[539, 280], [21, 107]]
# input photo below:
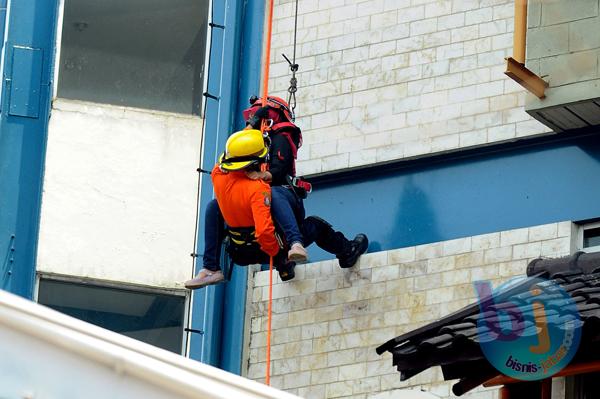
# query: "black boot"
[[286, 271], [355, 248], [335, 242]]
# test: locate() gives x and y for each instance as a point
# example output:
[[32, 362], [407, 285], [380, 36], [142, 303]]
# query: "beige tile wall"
[[383, 80], [327, 322]]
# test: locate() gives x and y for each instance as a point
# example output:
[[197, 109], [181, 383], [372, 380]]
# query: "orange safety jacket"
[[245, 203]]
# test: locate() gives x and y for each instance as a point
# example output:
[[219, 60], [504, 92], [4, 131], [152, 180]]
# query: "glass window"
[[591, 237], [154, 318], [582, 386], [139, 53]]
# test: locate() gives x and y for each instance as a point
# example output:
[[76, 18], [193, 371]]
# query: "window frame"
[[56, 67], [122, 285], [577, 387], [580, 234]]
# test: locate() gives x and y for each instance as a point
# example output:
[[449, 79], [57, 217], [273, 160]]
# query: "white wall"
[[119, 199]]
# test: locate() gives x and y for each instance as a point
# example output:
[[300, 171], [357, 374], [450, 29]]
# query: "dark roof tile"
[[453, 341]]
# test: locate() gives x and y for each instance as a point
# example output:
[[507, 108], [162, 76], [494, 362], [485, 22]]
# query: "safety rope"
[[293, 67], [269, 318], [267, 57], [264, 127]]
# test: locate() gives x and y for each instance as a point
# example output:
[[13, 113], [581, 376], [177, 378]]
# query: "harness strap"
[[242, 159], [286, 129], [242, 235]]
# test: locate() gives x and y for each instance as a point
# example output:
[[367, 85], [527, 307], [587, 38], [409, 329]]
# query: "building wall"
[[563, 47], [327, 322], [563, 44], [119, 198], [382, 80]]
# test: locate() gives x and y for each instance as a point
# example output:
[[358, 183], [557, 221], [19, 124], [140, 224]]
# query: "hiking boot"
[[286, 272], [204, 278], [297, 253], [356, 248]]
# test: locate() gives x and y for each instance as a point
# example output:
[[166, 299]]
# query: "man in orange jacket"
[[245, 205]]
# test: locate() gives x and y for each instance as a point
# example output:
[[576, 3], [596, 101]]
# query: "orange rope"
[[269, 314], [267, 55], [262, 129]]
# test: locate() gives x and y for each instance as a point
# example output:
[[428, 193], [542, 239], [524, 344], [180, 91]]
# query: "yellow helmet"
[[243, 148]]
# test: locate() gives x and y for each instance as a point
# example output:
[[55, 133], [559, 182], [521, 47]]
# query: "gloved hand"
[[259, 115]]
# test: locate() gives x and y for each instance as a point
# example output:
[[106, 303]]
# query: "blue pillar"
[[2, 21], [234, 75], [24, 114]]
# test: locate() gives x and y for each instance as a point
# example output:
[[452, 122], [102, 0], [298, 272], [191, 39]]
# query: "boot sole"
[[201, 285], [298, 258]]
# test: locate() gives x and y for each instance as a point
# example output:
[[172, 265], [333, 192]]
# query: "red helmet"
[[279, 109]]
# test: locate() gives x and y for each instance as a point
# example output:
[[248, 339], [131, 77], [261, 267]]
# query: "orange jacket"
[[245, 203]]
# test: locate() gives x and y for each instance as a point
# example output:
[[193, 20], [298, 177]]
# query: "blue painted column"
[[249, 84], [2, 22], [219, 311], [24, 114]]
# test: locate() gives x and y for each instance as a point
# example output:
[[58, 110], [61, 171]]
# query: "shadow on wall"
[[393, 210], [592, 149], [415, 216]]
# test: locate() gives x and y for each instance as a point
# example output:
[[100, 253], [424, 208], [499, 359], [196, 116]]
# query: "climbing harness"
[[300, 186]]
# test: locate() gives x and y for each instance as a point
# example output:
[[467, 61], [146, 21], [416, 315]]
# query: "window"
[[589, 237], [139, 53], [153, 317], [582, 386]]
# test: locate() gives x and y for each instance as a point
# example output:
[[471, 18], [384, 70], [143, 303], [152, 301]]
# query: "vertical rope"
[[267, 55], [295, 31], [269, 317], [262, 129], [294, 68]]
